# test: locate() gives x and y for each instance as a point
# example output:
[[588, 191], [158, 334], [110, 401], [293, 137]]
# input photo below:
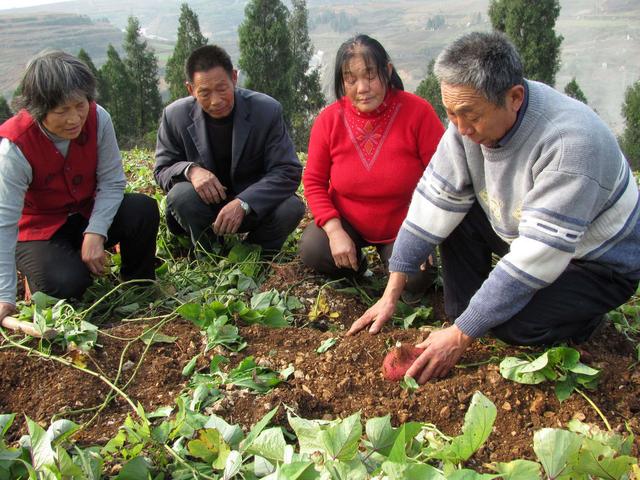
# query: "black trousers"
[[568, 309], [55, 266], [188, 214], [315, 253]]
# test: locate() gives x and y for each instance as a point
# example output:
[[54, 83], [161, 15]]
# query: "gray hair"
[[486, 62], [52, 78]]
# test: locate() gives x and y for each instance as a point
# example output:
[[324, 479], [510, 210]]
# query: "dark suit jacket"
[[264, 167]]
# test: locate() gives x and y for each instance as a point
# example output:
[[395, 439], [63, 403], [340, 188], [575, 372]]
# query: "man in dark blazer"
[[225, 159]]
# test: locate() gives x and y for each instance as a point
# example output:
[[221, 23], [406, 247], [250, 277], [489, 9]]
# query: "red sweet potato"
[[398, 361]]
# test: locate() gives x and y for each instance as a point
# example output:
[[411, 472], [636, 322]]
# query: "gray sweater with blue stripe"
[[560, 189]]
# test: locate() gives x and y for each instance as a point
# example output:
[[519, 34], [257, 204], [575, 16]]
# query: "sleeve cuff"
[[471, 323]]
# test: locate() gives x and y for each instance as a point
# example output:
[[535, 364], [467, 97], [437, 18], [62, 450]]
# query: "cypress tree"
[[308, 98], [530, 26], [84, 57], [5, 111], [429, 89], [630, 140], [117, 96], [189, 38], [265, 51], [142, 67], [573, 90]]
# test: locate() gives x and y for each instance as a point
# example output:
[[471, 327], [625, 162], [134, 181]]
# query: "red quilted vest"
[[60, 186]]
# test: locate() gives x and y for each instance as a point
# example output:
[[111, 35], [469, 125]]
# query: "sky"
[[6, 4]]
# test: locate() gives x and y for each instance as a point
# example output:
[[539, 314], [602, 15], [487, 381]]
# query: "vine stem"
[[180, 460], [595, 407], [71, 364]]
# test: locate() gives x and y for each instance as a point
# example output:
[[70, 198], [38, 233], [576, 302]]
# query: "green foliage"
[[265, 51], [101, 87], [530, 26], [429, 89], [5, 111], [142, 67], [573, 90], [117, 96], [560, 365], [189, 38], [341, 22], [630, 140], [308, 98]]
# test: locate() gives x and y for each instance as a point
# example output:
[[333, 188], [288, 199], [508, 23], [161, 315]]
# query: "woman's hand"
[[93, 254], [343, 250], [6, 309]]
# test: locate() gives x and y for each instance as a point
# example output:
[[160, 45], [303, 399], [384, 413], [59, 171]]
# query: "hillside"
[[601, 37]]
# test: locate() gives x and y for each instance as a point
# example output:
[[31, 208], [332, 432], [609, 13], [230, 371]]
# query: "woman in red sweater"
[[367, 152]]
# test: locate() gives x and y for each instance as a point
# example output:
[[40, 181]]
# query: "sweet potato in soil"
[[398, 361], [344, 379]]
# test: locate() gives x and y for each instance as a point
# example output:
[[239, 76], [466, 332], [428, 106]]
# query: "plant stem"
[[595, 407]]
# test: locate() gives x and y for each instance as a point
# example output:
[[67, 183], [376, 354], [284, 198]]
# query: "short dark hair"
[[203, 59], [50, 79], [487, 62], [373, 53]]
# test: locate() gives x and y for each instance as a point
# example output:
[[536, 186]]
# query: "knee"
[[314, 249], [290, 212], [143, 208], [64, 281]]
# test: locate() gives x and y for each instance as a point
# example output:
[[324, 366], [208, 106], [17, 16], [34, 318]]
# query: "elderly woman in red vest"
[[62, 198]]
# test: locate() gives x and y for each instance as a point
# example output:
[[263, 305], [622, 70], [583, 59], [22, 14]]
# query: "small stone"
[[537, 405], [506, 406], [508, 394], [514, 433], [579, 416], [128, 365], [403, 416], [445, 412], [327, 417], [549, 414]]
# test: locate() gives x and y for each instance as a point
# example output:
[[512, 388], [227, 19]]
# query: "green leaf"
[[564, 388], [153, 336], [5, 423], [582, 369], [555, 449], [42, 300], [409, 383], [135, 469], [398, 451], [478, 422], [270, 444], [210, 447], [232, 434], [188, 369], [518, 470], [341, 470], [511, 369], [466, 474], [297, 471], [257, 429], [326, 345], [403, 471], [308, 433], [263, 300], [381, 434], [67, 467], [59, 430], [597, 460], [341, 439], [42, 453], [272, 317], [191, 311], [233, 465]]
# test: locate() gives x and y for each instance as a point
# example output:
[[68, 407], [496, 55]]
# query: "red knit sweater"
[[364, 167]]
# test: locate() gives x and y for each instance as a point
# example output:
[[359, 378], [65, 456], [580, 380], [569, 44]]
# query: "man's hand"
[[6, 309], [206, 185], [343, 250], [229, 218], [384, 308], [443, 349], [93, 254]]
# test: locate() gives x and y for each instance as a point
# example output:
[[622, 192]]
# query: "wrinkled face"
[[363, 85], [214, 90], [67, 119], [478, 119]]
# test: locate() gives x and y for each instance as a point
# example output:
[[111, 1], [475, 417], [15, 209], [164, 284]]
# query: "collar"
[[512, 131], [388, 100]]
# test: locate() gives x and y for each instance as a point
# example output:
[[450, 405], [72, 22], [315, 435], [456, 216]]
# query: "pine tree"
[[142, 67], [308, 98], [630, 140], [429, 89], [189, 38], [573, 90], [5, 111], [117, 96], [265, 51], [530, 26], [84, 56]]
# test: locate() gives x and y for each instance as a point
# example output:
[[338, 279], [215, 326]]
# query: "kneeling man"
[[225, 159], [533, 176]]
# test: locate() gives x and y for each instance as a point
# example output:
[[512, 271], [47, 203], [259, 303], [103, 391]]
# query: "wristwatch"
[[245, 206]]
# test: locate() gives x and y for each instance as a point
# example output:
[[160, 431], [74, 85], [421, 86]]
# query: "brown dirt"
[[334, 384]]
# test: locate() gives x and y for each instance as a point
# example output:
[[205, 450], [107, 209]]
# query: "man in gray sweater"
[[528, 174]]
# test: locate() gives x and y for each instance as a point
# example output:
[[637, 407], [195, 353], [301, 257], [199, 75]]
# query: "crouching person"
[[225, 159], [62, 198]]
